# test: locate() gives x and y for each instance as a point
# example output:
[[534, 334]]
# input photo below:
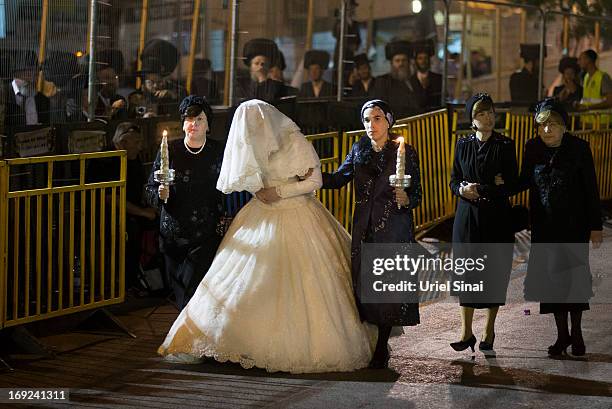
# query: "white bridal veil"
[[263, 143]]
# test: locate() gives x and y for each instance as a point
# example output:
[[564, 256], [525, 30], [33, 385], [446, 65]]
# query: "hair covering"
[[568, 62], [384, 106], [123, 129], [200, 101], [259, 46], [60, 67], [474, 99], [531, 52], [398, 47], [547, 106], [263, 143], [319, 57], [110, 57]]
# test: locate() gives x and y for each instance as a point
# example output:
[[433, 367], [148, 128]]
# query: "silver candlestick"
[[400, 179], [164, 175]]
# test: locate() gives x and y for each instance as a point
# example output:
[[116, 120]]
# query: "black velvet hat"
[[531, 52], [279, 61], [398, 47], [473, 101], [60, 67], [569, 62], [160, 55], [319, 57], [548, 106], [23, 60], [259, 46], [361, 59], [110, 57]]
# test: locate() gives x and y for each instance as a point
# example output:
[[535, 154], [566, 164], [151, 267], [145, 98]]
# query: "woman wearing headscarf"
[[565, 215], [483, 216], [377, 217], [191, 207], [278, 294]]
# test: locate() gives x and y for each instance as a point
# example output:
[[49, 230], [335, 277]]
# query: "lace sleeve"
[[309, 185]]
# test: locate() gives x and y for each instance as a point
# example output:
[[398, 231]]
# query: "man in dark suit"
[[427, 85], [315, 63], [24, 105], [395, 87], [363, 85], [258, 55]]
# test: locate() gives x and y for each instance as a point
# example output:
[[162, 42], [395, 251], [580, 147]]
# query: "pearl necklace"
[[189, 149]]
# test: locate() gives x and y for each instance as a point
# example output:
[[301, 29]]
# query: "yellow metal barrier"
[[62, 246]]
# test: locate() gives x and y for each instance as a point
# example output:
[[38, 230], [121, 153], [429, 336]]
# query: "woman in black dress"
[[189, 218], [483, 214], [377, 218], [565, 215]]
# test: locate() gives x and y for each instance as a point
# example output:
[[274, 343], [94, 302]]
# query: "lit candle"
[[400, 167], [165, 162]]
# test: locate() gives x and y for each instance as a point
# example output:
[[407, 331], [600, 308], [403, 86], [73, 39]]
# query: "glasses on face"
[[550, 124]]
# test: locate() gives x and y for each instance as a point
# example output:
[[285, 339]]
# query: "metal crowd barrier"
[[62, 243]]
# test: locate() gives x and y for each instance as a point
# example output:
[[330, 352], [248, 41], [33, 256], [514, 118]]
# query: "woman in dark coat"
[[565, 215], [377, 218], [189, 219], [483, 215]]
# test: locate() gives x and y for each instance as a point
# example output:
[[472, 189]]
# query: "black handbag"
[[519, 216]]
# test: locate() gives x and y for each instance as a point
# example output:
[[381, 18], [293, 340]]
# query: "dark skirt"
[[552, 308]]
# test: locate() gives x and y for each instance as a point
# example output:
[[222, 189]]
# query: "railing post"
[[445, 62], [342, 39], [4, 203], [192, 44], [141, 40], [91, 91]]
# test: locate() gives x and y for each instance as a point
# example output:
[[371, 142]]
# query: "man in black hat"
[[162, 95], [275, 73], [315, 63], [363, 86], [395, 87], [60, 68], [427, 85], [524, 83], [109, 105], [24, 104], [204, 82], [258, 55]]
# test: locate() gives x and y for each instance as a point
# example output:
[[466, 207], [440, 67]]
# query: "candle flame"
[[165, 133]]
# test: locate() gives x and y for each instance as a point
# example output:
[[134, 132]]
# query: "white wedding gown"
[[278, 294]]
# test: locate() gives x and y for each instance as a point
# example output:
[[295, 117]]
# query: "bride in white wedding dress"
[[278, 294]]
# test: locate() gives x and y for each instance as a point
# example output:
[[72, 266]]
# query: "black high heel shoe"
[[578, 347], [463, 345], [559, 347], [486, 346]]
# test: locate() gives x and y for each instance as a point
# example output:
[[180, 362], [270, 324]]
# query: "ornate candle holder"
[[165, 175]]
